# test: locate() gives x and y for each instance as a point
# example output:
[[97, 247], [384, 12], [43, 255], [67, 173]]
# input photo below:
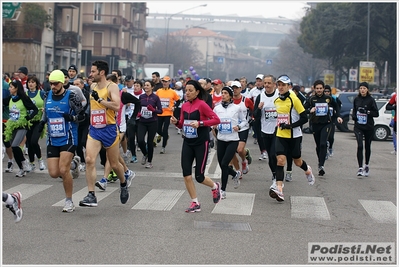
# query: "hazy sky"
[[267, 9]]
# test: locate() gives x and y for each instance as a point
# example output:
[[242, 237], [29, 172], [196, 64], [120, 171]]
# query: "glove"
[[68, 117], [139, 115], [41, 125], [27, 117], [362, 110], [285, 126], [94, 94], [81, 117], [150, 108]]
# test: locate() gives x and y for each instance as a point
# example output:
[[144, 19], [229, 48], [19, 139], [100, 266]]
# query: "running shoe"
[[148, 165], [223, 194], [331, 152], [366, 170], [360, 172], [112, 177], [327, 154], [236, 179], [321, 171], [41, 165], [88, 201], [32, 166], [10, 166], [310, 176], [255, 141], [288, 176], [162, 151], [102, 184], [20, 173], [264, 155], [279, 195], [178, 131], [159, 138], [194, 207], [244, 165], [68, 207], [124, 194], [248, 156], [82, 167], [15, 207], [216, 193], [129, 176], [75, 172], [144, 160], [134, 159], [261, 156], [26, 166], [272, 194]]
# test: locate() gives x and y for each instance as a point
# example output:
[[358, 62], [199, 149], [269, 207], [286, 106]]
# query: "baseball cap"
[[72, 67], [217, 81], [235, 83], [166, 78], [284, 79], [57, 75], [23, 70], [128, 78], [259, 76]]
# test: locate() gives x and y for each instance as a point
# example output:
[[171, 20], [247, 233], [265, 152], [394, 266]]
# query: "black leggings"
[[200, 154], [150, 129], [163, 126], [320, 135], [225, 153], [269, 141], [83, 131], [17, 138], [258, 131], [368, 137], [331, 136], [32, 139], [131, 132]]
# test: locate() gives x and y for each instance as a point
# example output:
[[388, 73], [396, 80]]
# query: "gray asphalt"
[[271, 234]]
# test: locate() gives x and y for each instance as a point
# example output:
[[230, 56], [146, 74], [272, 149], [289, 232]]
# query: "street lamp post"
[[167, 28]]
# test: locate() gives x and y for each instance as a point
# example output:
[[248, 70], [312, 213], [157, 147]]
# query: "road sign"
[[220, 59], [269, 61], [9, 9], [353, 75]]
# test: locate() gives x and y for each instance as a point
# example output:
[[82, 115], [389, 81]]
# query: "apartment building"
[[76, 33]]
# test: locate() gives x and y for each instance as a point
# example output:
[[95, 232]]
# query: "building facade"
[[76, 33]]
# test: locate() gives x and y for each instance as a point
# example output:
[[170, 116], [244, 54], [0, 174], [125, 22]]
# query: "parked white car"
[[381, 124]]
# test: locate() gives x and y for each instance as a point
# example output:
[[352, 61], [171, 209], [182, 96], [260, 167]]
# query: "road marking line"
[[28, 190], [159, 199], [235, 204], [79, 195], [380, 211], [309, 208]]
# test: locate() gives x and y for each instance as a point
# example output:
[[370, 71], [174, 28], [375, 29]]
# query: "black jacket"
[[364, 111]]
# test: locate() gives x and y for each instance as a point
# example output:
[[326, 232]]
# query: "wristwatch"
[[100, 99], [201, 124]]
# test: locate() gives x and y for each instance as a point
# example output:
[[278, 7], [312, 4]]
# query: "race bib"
[[188, 130], [57, 127], [321, 109], [98, 118], [14, 114], [283, 118], [145, 113], [225, 126], [361, 118], [270, 114], [165, 102]]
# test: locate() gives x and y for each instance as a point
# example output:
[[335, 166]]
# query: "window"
[[98, 11], [97, 43]]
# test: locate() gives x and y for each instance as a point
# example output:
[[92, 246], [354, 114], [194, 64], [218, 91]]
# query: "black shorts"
[[243, 135], [55, 151], [284, 145]]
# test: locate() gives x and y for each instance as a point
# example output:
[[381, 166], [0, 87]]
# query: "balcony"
[[108, 50], [22, 33], [114, 21], [67, 39]]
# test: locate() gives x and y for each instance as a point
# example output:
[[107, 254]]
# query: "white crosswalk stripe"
[[79, 195], [302, 207], [28, 190], [309, 207], [380, 211]]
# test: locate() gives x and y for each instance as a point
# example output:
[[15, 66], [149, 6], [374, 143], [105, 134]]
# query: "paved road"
[[248, 227]]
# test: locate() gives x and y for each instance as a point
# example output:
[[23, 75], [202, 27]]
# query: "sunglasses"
[[54, 83]]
